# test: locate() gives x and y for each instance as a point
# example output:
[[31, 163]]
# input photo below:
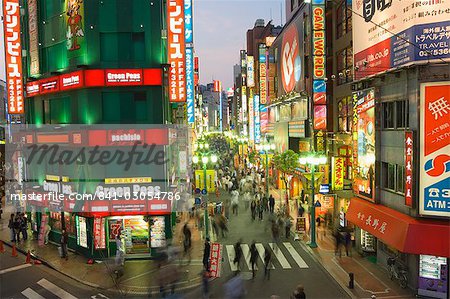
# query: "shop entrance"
[[134, 231]]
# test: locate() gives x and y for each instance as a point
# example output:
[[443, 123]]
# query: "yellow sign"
[[210, 180], [110, 181], [52, 178], [338, 173]]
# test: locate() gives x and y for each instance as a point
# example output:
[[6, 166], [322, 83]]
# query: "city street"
[[20, 280], [292, 265]]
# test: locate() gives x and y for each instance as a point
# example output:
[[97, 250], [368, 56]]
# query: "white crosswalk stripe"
[[278, 254], [55, 289], [30, 294], [230, 253], [261, 251], [280, 257], [297, 258]]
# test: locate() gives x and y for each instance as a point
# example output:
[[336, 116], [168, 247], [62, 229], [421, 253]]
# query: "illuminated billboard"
[[190, 85], [33, 37], [364, 143], [416, 31], [176, 50], [250, 71], [13, 56], [434, 191]]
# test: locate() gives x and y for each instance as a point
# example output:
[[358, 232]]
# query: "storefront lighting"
[[195, 159], [205, 159]]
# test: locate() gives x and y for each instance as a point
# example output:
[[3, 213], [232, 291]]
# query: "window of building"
[[393, 177], [395, 114], [343, 18], [345, 65], [345, 114], [128, 46]]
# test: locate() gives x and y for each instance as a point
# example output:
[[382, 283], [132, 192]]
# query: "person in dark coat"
[[24, 226], [64, 241], [299, 293], [348, 243], [206, 253], [237, 254], [267, 261], [271, 203], [253, 257]]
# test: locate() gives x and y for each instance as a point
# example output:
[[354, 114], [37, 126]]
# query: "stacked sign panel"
[[318, 50], [416, 31], [190, 65], [176, 50]]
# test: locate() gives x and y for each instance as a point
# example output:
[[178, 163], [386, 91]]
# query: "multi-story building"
[[84, 67]]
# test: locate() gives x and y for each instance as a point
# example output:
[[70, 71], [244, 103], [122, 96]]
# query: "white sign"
[[82, 232], [250, 71]]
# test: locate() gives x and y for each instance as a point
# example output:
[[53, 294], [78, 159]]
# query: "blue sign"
[[436, 197], [204, 192], [257, 120], [319, 86], [197, 190], [317, 204], [262, 53], [198, 201], [188, 31], [190, 85], [324, 188]]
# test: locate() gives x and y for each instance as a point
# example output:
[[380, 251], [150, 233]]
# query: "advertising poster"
[[250, 71], [281, 136], [176, 50], [99, 233], [257, 121], [13, 56], [81, 231], [434, 191], [289, 45], [136, 229], [190, 101], [75, 40], [337, 181], [417, 31], [364, 176], [33, 37], [263, 74], [300, 226], [264, 118], [215, 259], [433, 276], [320, 117], [251, 115], [210, 180], [157, 232], [44, 221]]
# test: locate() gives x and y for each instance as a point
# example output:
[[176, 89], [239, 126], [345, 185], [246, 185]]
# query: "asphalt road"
[[292, 265], [18, 280]]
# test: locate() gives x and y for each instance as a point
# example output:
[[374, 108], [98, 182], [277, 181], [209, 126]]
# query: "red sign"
[[320, 98], [408, 167], [289, 52], [373, 60], [125, 137], [320, 117], [95, 78], [217, 86], [215, 259], [71, 80], [176, 50], [99, 233], [123, 77], [13, 56], [42, 229]]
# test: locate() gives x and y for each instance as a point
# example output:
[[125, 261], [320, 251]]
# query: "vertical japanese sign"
[[434, 150], [190, 85], [244, 108], [33, 37], [13, 56], [176, 50], [99, 233], [337, 182], [42, 229], [217, 86], [250, 71], [251, 115], [318, 49], [215, 259], [257, 119], [262, 74], [188, 28], [408, 167], [196, 78], [364, 157]]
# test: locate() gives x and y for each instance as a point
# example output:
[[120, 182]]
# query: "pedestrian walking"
[[299, 293], [287, 227], [247, 200], [12, 231], [235, 202], [187, 242], [348, 243], [64, 240], [206, 253], [48, 229], [253, 257], [267, 262], [265, 202], [271, 203], [260, 210], [337, 248], [205, 284], [237, 254], [253, 209], [24, 226], [17, 226], [223, 226], [275, 232]]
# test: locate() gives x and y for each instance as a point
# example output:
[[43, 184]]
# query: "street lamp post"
[[312, 161], [206, 158], [266, 148]]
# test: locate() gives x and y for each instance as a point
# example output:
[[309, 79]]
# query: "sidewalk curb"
[[314, 257], [154, 289]]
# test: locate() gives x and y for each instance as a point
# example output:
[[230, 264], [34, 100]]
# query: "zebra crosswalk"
[[47, 289], [284, 256]]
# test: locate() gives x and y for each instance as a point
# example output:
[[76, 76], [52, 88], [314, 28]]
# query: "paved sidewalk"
[[370, 279], [140, 276]]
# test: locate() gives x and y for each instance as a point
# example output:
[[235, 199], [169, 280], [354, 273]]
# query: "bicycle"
[[397, 272]]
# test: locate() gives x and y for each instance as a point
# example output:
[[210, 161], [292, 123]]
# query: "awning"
[[403, 232]]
